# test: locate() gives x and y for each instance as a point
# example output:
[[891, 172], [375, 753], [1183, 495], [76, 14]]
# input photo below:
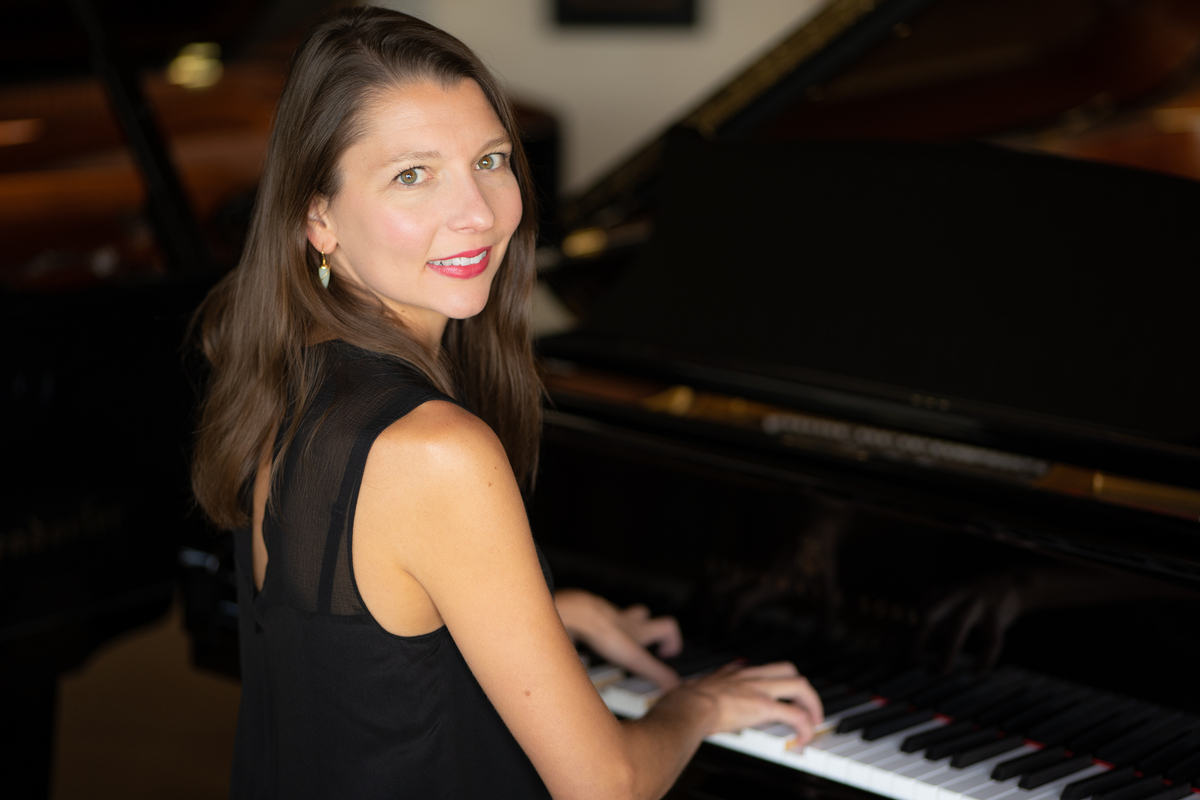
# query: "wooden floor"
[[138, 721]]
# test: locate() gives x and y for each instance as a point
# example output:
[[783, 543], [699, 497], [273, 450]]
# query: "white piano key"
[[892, 743], [630, 697], [1054, 788], [603, 675], [959, 782], [861, 747], [882, 783], [818, 750], [906, 780], [993, 790], [860, 768], [926, 786], [877, 766]]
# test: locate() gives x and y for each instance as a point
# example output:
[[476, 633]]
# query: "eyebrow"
[[415, 155], [425, 155]]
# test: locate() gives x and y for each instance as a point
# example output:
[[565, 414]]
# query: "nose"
[[470, 211]]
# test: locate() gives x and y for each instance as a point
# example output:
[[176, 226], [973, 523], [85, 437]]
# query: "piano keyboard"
[[1009, 735]]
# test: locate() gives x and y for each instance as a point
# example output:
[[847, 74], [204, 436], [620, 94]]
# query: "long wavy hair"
[[256, 325]]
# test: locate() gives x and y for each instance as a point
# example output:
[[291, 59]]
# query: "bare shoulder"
[[437, 487], [438, 438], [437, 473]]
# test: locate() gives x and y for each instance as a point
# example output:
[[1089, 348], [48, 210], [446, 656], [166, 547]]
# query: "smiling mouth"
[[467, 264], [461, 262]]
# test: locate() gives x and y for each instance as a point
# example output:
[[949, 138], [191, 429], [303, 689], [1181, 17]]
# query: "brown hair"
[[256, 324]]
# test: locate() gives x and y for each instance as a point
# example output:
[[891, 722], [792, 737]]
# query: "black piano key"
[[695, 660], [1071, 722], [1174, 752], [960, 743], [1138, 790], [1097, 784], [1105, 732], [976, 699], [1135, 751], [1022, 764], [1150, 729], [888, 727], [844, 702], [952, 685], [919, 741], [983, 688], [1185, 771], [865, 718], [833, 692], [973, 755], [1177, 792], [1023, 720], [1040, 777], [1013, 705]]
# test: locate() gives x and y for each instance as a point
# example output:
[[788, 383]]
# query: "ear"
[[321, 231]]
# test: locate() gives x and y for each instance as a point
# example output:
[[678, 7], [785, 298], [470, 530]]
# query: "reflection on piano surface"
[[915, 413]]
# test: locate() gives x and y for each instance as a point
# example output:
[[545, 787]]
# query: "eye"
[[412, 176], [491, 161]]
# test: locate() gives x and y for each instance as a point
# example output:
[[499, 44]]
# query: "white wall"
[[611, 88]]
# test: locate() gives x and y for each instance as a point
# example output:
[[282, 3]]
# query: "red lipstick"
[[466, 264]]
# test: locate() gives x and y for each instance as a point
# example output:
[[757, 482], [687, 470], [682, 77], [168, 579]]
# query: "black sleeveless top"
[[332, 704]]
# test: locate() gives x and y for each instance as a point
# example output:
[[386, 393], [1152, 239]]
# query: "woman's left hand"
[[622, 635]]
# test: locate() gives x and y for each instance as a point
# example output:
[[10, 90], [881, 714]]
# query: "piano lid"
[[1027, 302], [929, 70]]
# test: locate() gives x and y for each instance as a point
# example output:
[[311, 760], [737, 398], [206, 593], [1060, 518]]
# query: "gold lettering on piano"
[[846, 439]]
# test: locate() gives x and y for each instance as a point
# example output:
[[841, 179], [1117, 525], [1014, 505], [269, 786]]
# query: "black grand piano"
[[919, 412]]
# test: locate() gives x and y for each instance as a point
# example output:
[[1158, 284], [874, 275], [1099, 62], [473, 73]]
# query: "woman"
[[372, 412]]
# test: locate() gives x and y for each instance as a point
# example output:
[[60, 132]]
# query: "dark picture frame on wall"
[[625, 12]]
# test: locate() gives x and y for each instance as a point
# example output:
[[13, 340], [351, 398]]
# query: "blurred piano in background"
[[111, 236]]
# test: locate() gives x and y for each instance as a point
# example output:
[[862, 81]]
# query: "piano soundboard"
[[911, 734]]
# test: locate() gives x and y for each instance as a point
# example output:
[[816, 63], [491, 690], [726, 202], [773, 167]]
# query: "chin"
[[465, 308]]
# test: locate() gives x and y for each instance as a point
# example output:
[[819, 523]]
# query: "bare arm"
[[621, 635], [440, 505]]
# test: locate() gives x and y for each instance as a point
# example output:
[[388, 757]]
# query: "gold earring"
[[323, 271]]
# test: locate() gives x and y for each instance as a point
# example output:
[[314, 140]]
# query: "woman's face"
[[427, 205]]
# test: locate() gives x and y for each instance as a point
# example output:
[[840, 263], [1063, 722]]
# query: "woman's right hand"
[[743, 697]]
